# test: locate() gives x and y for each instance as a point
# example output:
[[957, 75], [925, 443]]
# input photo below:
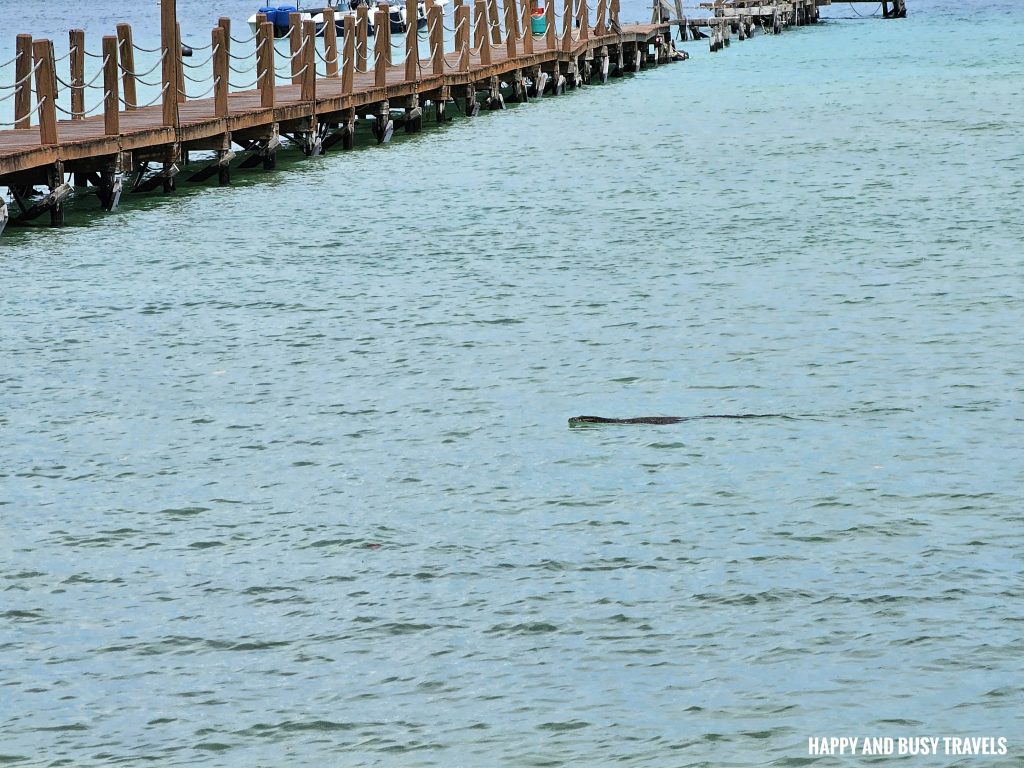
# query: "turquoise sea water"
[[286, 477]]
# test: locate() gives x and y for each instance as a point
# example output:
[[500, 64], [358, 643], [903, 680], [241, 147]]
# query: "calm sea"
[[286, 477]]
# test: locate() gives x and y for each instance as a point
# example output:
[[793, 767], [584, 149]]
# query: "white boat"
[[279, 16]]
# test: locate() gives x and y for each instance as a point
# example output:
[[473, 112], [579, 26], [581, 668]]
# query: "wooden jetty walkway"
[[328, 87]]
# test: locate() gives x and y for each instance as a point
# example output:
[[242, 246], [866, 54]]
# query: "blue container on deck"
[[282, 14], [538, 24], [270, 12]]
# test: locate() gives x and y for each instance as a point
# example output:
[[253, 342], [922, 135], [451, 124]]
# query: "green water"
[[287, 477]]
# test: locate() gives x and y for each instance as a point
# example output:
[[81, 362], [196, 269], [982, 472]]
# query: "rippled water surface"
[[286, 473]]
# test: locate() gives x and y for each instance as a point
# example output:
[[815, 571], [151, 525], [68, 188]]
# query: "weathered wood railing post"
[[23, 78], [584, 20], [308, 59], [349, 63], [295, 45], [126, 57], [111, 96], [179, 61], [492, 21], [527, 29], [511, 31], [435, 23], [362, 32], [462, 35], [613, 14], [330, 43], [549, 19], [600, 27], [479, 31], [219, 40], [265, 63], [171, 55], [46, 90], [76, 57], [386, 7], [412, 43], [567, 24], [381, 39]]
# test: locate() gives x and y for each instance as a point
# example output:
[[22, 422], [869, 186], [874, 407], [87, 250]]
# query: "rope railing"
[[149, 71], [158, 97], [146, 50], [9, 62], [85, 112], [92, 55], [74, 49], [243, 42], [239, 71], [246, 86], [26, 77], [89, 84], [202, 64], [203, 95]]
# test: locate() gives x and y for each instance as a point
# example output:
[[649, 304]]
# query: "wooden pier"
[[330, 83]]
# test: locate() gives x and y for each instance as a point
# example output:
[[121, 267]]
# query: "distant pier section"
[[233, 100]]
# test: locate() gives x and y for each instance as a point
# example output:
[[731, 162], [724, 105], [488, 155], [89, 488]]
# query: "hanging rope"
[[202, 64], [201, 95], [145, 50], [84, 112], [26, 77], [61, 58], [158, 97], [148, 71], [18, 56]]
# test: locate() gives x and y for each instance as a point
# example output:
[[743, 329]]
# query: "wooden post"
[[479, 24], [363, 31], [46, 90], [492, 21], [76, 55], [179, 61], [224, 23], [387, 38], [460, 29], [614, 14], [23, 77], [511, 32], [412, 42], [111, 97], [435, 22], [527, 36], [330, 43], [462, 22], [567, 18], [308, 59], [551, 33], [600, 28], [126, 56], [349, 63], [382, 36], [295, 45], [265, 63], [169, 71], [218, 38], [584, 20]]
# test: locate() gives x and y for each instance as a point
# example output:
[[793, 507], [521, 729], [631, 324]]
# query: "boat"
[[279, 16]]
